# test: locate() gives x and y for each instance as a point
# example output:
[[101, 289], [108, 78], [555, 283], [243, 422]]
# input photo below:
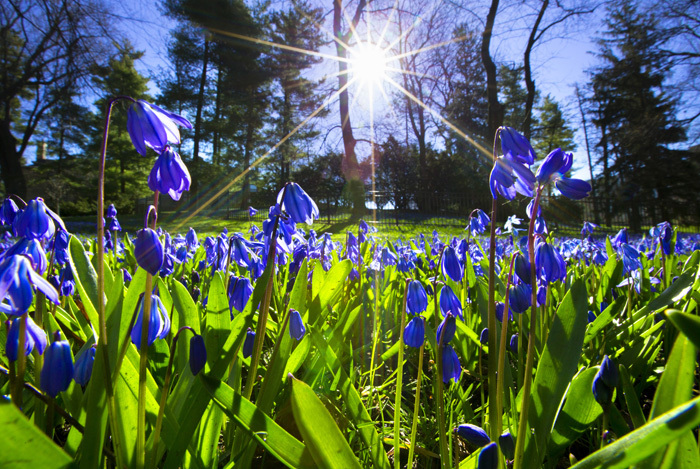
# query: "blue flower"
[[83, 366], [575, 189], [630, 258], [522, 269], [111, 211], [198, 354], [417, 299], [509, 177], [520, 298], [550, 264], [296, 325], [478, 222], [191, 239], [484, 336], [451, 368], [148, 250], [513, 344], [37, 221], [249, 342], [150, 126], [554, 168], [488, 457], [16, 280], [449, 325], [473, 434], [297, 203], [507, 445], [34, 337], [114, 225], [451, 267], [169, 175], [608, 372], [588, 228], [450, 303], [158, 326], [9, 211], [516, 146], [57, 372], [239, 291], [601, 392], [252, 212], [414, 333]]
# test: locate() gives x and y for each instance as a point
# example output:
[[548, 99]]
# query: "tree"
[[48, 47], [636, 117], [551, 130], [397, 172]]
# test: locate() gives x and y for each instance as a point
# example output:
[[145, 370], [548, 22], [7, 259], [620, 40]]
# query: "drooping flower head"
[[554, 169], [16, 280], [478, 222], [516, 146], [148, 250], [83, 366], [449, 303], [473, 434], [239, 291], [414, 332], [37, 221], [451, 368], [417, 298], [57, 371], [34, 337], [158, 326], [451, 267], [198, 354], [150, 126], [169, 175], [296, 325], [509, 177], [111, 211], [9, 211], [297, 203], [549, 262]]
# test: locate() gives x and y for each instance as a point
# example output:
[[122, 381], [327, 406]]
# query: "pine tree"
[[551, 130]]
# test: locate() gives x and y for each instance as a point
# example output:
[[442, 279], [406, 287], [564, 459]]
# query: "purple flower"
[[16, 279], [150, 126], [473, 434], [516, 146], [249, 342], [451, 368], [169, 175], [239, 291], [158, 326], [34, 337], [148, 250], [252, 211], [297, 203], [37, 221], [414, 333], [488, 457], [417, 299], [198, 354], [450, 303], [449, 326], [111, 211], [9, 211], [57, 372], [451, 266], [296, 325], [83, 366], [550, 264]]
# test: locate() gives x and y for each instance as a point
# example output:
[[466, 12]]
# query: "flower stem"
[[502, 348], [492, 364], [102, 339], [21, 363], [416, 405], [399, 382], [522, 424]]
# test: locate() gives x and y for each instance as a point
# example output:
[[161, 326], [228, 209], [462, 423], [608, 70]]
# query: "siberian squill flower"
[[297, 203], [34, 337], [198, 354], [296, 325], [169, 175], [16, 280], [57, 371], [150, 126], [473, 434], [554, 168], [148, 251], [158, 327]]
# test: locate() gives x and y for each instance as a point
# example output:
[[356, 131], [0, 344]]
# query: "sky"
[[559, 62]]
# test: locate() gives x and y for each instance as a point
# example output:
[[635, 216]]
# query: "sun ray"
[[456, 129], [262, 157], [394, 9], [412, 73], [430, 47]]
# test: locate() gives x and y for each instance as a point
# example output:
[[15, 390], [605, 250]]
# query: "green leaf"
[[604, 318], [671, 295], [24, 445], [85, 278], [218, 318], [645, 441], [675, 387], [580, 410], [353, 404], [688, 324], [556, 368], [246, 415], [631, 399], [321, 434]]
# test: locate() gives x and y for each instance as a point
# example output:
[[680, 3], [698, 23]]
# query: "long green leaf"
[[556, 368], [645, 441], [688, 324], [322, 436], [246, 415], [24, 446], [353, 405], [85, 278]]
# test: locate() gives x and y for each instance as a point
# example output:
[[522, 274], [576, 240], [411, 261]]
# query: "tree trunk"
[[250, 131], [529, 82], [495, 116], [198, 119], [351, 167], [11, 162]]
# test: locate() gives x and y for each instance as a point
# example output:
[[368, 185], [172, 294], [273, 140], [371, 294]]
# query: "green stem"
[[416, 405], [522, 424], [399, 381], [39, 409], [21, 362], [502, 348], [494, 416]]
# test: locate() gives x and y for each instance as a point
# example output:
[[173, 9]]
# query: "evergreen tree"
[[636, 118], [551, 130]]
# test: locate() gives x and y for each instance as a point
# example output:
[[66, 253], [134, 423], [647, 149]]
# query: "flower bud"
[[473, 435], [198, 354]]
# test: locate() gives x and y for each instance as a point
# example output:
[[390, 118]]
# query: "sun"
[[368, 63]]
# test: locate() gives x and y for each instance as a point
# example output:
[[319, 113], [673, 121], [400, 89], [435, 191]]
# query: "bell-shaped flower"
[[507, 444], [522, 269], [574, 189], [36, 221], [417, 299], [549, 262], [114, 225], [169, 175], [34, 337], [57, 372], [478, 222], [248, 343], [631, 258], [451, 267], [509, 177], [9, 211], [191, 239], [588, 228], [83, 366], [516, 146], [554, 169], [473, 434], [148, 250], [446, 329], [252, 212], [239, 291], [414, 333], [520, 298], [513, 343], [450, 303], [33, 250], [111, 211], [451, 368], [484, 336], [158, 326], [608, 372], [297, 203], [602, 393], [198, 354], [488, 457], [150, 126], [296, 325], [16, 279]]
